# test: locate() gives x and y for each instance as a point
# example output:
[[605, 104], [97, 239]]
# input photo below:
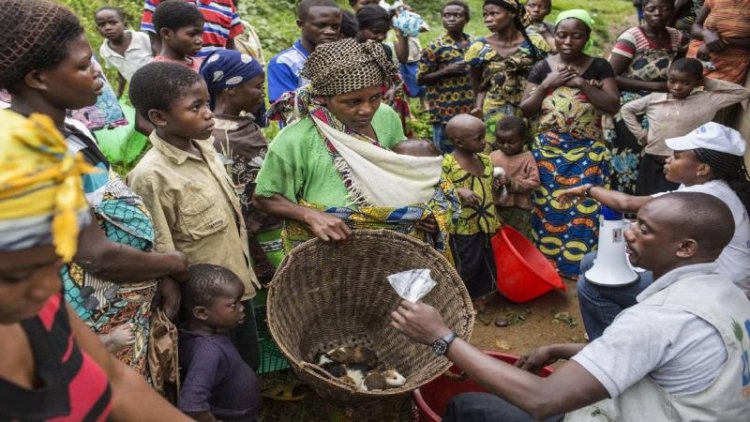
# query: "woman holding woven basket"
[[332, 170]]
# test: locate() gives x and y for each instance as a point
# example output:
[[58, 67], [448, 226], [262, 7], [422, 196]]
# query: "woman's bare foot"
[[119, 338]]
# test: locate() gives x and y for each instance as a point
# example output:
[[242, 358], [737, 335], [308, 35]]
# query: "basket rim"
[[302, 367]]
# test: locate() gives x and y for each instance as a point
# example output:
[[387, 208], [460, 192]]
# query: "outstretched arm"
[[540, 397], [616, 200]]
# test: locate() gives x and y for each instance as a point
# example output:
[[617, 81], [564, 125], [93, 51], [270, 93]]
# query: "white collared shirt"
[[138, 54]]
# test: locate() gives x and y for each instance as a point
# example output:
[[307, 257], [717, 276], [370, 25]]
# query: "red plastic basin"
[[432, 398], [523, 273]]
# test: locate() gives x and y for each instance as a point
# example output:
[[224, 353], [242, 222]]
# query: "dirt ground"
[[552, 318]]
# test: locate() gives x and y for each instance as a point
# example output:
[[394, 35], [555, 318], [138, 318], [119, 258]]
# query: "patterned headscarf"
[[513, 6], [41, 193], [225, 69], [582, 16], [345, 66]]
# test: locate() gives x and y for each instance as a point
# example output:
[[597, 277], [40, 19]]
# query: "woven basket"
[[326, 295]]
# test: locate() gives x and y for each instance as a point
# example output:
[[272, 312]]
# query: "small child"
[[470, 171], [673, 114], [236, 89], [537, 10], [520, 178], [216, 383], [184, 184], [180, 27], [123, 49], [416, 148]]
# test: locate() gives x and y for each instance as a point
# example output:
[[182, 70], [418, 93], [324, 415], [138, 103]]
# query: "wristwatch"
[[587, 191], [440, 346]]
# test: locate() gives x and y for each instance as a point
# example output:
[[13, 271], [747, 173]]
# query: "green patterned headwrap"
[[582, 16]]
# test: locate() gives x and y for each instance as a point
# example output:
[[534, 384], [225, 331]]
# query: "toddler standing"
[[123, 49], [512, 193], [470, 171], [216, 383]]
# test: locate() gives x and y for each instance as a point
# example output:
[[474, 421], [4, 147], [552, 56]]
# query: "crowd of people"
[[530, 130]]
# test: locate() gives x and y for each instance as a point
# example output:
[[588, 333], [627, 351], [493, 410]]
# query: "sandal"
[[286, 392]]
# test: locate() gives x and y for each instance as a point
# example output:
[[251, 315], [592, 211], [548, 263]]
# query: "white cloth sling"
[[381, 177]]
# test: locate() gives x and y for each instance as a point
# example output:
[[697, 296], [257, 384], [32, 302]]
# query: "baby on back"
[[416, 148]]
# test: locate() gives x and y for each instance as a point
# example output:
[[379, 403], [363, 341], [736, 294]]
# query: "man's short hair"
[[157, 85], [176, 14], [305, 5], [458, 3], [699, 216], [206, 282]]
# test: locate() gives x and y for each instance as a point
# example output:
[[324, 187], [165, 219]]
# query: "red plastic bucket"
[[432, 398], [523, 273]]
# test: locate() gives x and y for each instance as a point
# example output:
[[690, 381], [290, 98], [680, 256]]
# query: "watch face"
[[439, 347]]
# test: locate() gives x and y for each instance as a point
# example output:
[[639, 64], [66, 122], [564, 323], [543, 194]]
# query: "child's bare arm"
[[629, 113]]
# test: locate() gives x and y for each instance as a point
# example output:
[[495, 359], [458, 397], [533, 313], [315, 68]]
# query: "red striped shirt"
[[222, 22], [76, 388]]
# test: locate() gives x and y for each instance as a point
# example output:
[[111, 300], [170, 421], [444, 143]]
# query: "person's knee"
[[587, 262], [472, 407]]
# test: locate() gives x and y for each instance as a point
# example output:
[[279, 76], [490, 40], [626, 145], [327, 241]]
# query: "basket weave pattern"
[[326, 295]]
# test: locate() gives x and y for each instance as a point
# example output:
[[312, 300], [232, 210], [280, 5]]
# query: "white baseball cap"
[[711, 136]]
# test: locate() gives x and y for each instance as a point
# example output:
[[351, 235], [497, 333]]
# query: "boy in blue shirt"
[[319, 22]]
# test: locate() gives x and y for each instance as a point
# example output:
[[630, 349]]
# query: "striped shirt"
[[634, 40], [75, 387], [222, 22]]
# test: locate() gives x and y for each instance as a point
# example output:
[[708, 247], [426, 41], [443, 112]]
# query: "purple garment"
[[106, 113], [215, 378]]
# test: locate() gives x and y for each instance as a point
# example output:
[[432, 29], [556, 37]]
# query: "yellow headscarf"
[[41, 193]]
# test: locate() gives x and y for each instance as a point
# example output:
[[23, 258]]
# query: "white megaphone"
[[611, 266]]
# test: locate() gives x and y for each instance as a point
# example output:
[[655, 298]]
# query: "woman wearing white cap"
[[709, 160]]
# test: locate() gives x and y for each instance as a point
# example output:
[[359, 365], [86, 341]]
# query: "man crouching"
[[681, 353]]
